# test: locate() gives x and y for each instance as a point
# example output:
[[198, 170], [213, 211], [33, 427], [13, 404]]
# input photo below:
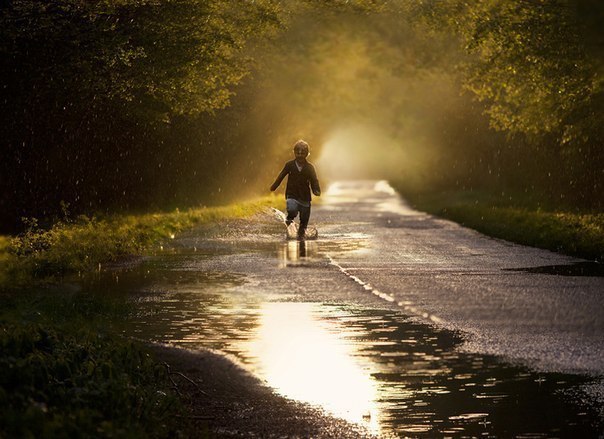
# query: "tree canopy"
[[91, 88], [139, 104], [537, 66], [167, 57]]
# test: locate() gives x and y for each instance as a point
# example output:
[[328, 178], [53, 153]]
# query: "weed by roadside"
[[65, 372]]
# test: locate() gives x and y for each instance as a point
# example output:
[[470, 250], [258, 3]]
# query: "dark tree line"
[[105, 102], [537, 67], [150, 104]]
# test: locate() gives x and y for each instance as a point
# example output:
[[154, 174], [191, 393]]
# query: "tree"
[[532, 64], [176, 56], [90, 88]]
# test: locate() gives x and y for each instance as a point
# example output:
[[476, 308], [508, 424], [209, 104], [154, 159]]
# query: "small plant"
[[32, 241]]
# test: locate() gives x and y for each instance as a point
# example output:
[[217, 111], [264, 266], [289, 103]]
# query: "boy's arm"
[[279, 179], [314, 182]]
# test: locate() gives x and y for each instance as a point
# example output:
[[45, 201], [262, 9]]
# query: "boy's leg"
[[292, 211], [304, 217]]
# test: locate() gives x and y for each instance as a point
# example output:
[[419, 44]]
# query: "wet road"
[[506, 298], [393, 319]]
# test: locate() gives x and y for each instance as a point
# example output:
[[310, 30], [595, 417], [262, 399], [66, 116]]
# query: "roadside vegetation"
[[81, 244], [65, 375], [66, 372], [566, 231]]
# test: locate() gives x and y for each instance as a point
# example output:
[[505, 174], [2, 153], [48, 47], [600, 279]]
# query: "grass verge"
[[572, 233], [83, 243], [65, 375]]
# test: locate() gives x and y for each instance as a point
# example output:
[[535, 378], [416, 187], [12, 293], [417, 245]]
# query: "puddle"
[[307, 358], [296, 253], [375, 367], [369, 366], [587, 268]]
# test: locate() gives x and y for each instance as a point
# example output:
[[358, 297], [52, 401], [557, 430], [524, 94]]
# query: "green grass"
[[82, 244], [65, 375], [574, 233]]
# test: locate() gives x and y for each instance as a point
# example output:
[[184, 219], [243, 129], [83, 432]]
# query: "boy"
[[302, 177]]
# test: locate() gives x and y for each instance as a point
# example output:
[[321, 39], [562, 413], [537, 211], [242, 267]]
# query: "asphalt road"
[[501, 296]]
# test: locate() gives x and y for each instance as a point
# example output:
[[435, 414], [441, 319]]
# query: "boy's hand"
[[317, 193]]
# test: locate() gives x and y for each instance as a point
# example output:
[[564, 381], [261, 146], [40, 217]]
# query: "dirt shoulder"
[[226, 401]]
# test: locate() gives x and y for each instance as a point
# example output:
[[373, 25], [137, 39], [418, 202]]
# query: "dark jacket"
[[298, 182]]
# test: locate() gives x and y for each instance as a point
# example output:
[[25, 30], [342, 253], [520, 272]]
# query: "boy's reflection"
[[293, 252], [301, 249]]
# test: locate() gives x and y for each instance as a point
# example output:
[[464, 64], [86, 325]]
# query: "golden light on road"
[[307, 359]]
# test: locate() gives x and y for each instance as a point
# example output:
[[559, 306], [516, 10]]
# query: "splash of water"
[[292, 229]]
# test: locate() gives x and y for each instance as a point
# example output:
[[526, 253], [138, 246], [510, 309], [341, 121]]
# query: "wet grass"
[[81, 244], [66, 375], [519, 220]]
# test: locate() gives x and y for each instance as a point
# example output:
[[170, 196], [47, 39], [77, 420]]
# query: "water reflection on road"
[[309, 359], [370, 364]]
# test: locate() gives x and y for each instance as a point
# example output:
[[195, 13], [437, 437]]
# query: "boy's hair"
[[301, 144]]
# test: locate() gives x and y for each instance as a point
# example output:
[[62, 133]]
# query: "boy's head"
[[301, 150]]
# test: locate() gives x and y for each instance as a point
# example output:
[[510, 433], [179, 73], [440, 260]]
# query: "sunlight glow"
[[360, 152], [304, 359]]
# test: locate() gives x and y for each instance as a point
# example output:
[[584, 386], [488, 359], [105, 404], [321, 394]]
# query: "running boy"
[[302, 177]]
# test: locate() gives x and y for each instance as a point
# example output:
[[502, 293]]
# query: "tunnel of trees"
[[137, 105]]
